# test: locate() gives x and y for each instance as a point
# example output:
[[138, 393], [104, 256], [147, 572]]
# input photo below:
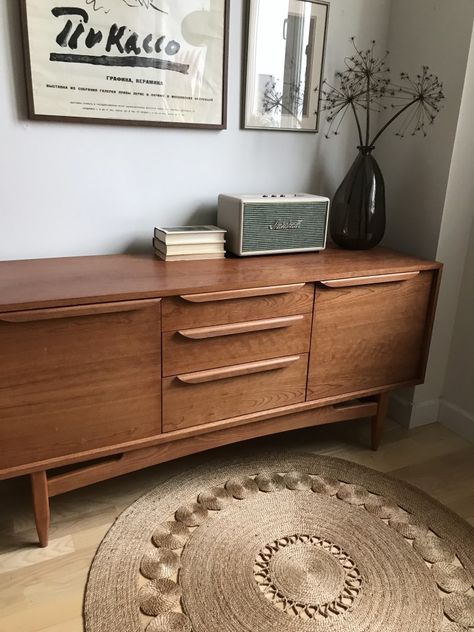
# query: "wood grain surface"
[[78, 383], [116, 450], [82, 363], [237, 370], [267, 338], [226, 295], [180, 314], [369, 335], [78, 280], [220, 331], [146, 457], [55, 313], [39, 490], [370, 280], [187, 405]]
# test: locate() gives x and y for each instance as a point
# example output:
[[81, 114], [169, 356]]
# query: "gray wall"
[[429, 181], [74, 189], [455, 250], [438, 34], [457, 403]]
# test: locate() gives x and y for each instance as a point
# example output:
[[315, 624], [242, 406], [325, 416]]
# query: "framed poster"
[[286, 41], [155, 62]]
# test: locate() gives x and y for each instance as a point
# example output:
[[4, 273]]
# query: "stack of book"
[[187, 243]]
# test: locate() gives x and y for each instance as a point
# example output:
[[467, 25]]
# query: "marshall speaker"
[[271, 224]]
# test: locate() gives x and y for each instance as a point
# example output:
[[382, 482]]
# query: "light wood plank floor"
[[41, 590]]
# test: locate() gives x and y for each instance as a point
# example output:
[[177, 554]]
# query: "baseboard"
[[456, 419], [425, 413], [411, 415]]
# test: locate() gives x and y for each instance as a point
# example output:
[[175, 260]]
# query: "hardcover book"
[[190, 234], [188, 249], [164, 257]]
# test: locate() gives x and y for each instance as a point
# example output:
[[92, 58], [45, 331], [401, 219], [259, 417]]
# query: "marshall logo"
[[286, 224]]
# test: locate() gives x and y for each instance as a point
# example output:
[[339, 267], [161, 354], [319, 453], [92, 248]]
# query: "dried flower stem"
[[369, 96], [359, 127], [394, 118]]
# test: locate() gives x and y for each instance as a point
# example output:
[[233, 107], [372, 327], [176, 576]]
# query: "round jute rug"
[[295, 543]]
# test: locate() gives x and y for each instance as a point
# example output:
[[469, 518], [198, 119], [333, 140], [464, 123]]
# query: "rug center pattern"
[[306, 572]]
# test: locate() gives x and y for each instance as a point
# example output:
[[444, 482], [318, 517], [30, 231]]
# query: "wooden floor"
[[42, 589]]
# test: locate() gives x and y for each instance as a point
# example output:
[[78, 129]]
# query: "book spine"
[[191, 249]]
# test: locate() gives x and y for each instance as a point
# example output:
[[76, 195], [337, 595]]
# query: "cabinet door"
[[369, 332], [75, 379]]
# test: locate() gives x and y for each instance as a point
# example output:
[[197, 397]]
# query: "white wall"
[[429, 181], [75, 189]]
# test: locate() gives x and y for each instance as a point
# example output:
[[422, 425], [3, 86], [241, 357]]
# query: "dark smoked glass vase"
[[357, 218]]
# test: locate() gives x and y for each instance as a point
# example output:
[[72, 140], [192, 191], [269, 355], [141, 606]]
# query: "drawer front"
[[369, 333], [203, 348], [219, 308], [202, 397], [78, 378]]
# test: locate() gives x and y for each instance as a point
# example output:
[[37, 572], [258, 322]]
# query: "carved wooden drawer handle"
[[237, 370], [369, 280], [30, 316], [227, 295], [240, 328]]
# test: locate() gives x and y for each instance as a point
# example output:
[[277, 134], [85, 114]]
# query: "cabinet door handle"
[[240, 328], [34, 315], [227, 295], [369, 280], [238, 370]]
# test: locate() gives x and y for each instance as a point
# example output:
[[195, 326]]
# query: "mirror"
[[285, 55]]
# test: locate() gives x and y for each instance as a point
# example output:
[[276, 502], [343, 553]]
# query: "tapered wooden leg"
[[39, 487], [378, 421]]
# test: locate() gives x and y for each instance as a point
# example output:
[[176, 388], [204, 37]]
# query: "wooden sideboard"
[[114, 363]]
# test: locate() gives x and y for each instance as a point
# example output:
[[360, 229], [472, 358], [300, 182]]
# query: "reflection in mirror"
[[285, 51]]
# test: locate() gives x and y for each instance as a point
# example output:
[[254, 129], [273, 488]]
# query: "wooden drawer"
[[203, 348], [74, 379], [219, 308], [198, 398], [369, 333]]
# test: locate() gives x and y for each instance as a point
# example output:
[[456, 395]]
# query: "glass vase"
[[357, 218]]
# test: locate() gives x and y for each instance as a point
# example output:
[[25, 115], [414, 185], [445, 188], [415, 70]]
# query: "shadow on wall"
[[204, 214], [139, 246], [17, 58]]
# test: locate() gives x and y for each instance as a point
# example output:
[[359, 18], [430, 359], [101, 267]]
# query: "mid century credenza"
[[110, 364]]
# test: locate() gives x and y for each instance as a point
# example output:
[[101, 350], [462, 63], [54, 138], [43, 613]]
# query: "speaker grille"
[[284, 226]]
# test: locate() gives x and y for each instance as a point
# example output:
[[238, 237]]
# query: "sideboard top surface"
[[41, 283]]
